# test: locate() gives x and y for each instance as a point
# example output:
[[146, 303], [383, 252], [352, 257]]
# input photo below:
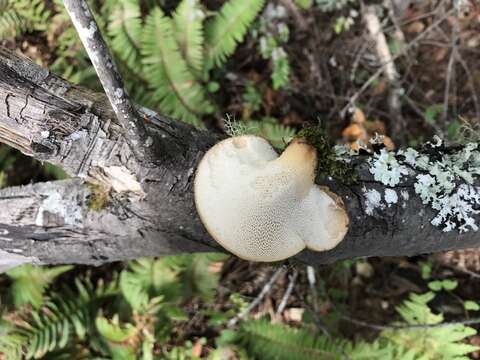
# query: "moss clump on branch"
[[328, 163], [98, 199]]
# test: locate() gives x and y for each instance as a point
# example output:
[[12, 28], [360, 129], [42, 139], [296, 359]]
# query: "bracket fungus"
[[265, 207]]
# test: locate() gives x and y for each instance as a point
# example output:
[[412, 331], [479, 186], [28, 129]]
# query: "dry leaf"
[[355, 146], [475, 341], [474, 41], [358, 116], [415, 28], [354, 132], [375, 126], [440, 54], [364, 269], [294, 314], [215, 267], [197, 348], [388, 143], [379, 89]]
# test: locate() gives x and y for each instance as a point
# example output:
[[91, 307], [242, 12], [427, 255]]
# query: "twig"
[[384, 55], [136, 134], [265, 290], [372, 78], [471, 81], [450, 67], [287, 294], [292, 7], [393, 15], [408, 327], [465, 271], [383, 52], [314, 308], [311, 283]]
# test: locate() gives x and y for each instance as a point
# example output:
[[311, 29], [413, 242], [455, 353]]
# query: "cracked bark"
[[48, 223]]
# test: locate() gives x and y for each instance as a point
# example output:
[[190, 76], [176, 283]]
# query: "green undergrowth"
[[138, 311]]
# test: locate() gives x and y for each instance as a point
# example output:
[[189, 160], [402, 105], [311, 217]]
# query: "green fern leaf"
[[120, 337], [304, 4], [188, 24], [196, 278], [148, 278], [72, 313], [269, 128], [267, 341], [125, 29], [174, 85], [19, 16], [30, 282], [35, 13], [11, 23], [173, 278], [227, 28], [11, 340], [435, 343]]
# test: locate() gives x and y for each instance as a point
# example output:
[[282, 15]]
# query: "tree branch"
[[56, 222], [150, 209], [89, 33]]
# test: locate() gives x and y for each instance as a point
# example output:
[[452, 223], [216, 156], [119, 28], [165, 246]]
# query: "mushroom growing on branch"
[[265, 207]]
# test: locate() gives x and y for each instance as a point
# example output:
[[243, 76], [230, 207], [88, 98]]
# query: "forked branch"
[[89, 33]]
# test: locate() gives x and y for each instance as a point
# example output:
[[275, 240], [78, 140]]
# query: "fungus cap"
[[265, 207]]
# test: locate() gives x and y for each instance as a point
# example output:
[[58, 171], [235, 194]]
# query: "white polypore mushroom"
[[265, 207]]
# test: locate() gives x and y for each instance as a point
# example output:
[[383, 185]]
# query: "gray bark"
[[150, 211]]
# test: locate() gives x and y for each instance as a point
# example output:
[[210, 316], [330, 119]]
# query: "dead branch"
[[97, 50], [149, 209]]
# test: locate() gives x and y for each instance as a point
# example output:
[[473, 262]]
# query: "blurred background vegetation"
[[267, 67]]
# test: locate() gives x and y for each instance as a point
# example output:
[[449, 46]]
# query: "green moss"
[[98, 199], [328, 165]]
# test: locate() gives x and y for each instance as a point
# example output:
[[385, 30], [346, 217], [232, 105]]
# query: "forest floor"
[[435, 90]]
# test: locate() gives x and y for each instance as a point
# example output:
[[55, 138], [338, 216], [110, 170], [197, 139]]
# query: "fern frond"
[[443, 342], [11, 23], [19, 16], [11, 340], [50, 328], [277, 134], [34, 12], [125, 29], [188, 22], [147, 278], [173, 278], [30, 283], [228, 28], [196, 278], [123, 339], [268, 341], [174, 85]]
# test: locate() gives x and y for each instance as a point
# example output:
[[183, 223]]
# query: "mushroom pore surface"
[[265, 207]]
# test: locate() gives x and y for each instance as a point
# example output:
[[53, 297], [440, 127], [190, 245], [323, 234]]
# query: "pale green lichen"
[[445, 181], [391, 197], [373, 201], [386, 169]]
